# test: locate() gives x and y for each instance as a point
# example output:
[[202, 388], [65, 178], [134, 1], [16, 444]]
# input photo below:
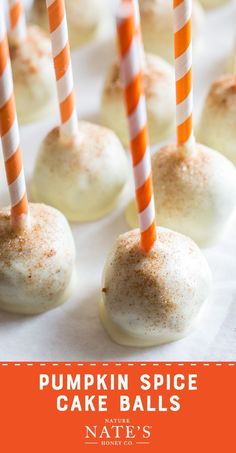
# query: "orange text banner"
[[83, 407]]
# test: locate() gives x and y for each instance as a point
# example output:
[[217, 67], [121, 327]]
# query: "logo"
[[117, 432]]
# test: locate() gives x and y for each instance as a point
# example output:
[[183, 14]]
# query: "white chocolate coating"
[[33, 74], [85, 21], [37, 266], [217, 125], [83, 177], [157, 26], [208, 4], [156, 298], [195, 193], [159, 87]]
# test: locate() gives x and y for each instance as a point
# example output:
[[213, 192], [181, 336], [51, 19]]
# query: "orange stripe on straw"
[[15, 13], [130, 56], [56, 12], [17, 31]]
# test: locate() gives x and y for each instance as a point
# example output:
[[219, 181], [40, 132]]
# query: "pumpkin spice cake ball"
[[81, 168], [195, 192], [37, 264], [217, 125], [159, 88], [84, 176], [154, 298], [85, 19], [157, 26]]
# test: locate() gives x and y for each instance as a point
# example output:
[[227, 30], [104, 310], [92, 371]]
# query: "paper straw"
[[62, 66], [183, 71], [10, 137], [137, 23], [17, 30], [131, 74]]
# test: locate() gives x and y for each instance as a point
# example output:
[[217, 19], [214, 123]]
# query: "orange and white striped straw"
[[131, 75], [17, 26], [183, 71], [62, 66], [9, 132], [137, 23]]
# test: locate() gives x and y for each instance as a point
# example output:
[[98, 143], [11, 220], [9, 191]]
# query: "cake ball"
[[217, 125], [208, 4], [159, 87], [37, 265], [83, 176], [33, 74], [156, 298], [157, 26], [85, 22], [195, 192]]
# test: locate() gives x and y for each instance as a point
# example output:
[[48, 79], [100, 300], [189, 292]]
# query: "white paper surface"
[[73, 331]]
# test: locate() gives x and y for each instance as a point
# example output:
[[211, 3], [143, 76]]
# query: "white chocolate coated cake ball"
[[37, 265], [33, 74], [159, 87], [195, 192], [156, 298], [85, 19], [157, 26], [84, 176], [217, 125]]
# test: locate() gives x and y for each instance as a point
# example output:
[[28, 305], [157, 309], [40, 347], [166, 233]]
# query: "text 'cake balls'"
[[37, 252], [157, 26], [32, 67], [217, 125], [81, 168], [155, 281], [85, 18], [194, 186]]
